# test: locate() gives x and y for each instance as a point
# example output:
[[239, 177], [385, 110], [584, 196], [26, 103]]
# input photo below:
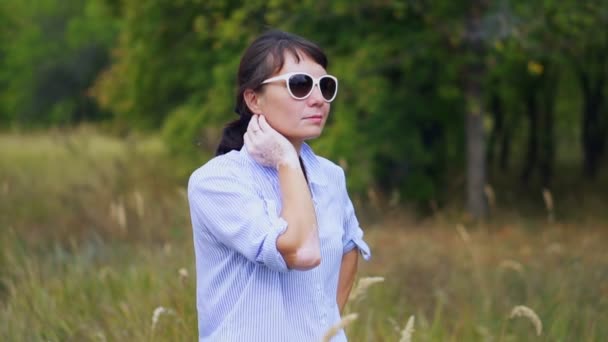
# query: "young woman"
[[275, 234]]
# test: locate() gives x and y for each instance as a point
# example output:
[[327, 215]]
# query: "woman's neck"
[[297, 144]]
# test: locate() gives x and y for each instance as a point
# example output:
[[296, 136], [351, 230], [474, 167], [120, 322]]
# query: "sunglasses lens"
[[328, 87], [300, 85]]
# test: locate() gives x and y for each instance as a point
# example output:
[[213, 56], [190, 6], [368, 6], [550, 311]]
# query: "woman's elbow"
[[303, 259], [300, 254]]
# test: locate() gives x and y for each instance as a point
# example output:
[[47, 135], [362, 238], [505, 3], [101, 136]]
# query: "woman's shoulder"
[[328, 165], [225, 165]]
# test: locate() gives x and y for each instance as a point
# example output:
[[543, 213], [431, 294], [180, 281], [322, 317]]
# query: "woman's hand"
[[267, 146]]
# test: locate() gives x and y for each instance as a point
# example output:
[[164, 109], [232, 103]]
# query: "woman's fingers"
[[264, 126], [267, 146], [254, 125], [250, 126], [247, 140], [259, 120]]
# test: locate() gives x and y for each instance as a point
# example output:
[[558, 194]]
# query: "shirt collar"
[[311, 163]]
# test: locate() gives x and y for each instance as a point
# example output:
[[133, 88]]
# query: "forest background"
[[473, 135]]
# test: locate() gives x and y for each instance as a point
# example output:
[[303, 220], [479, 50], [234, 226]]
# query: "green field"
[[95, 237]]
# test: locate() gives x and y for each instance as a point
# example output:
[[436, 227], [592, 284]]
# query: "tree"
[[56, 50], [586, 50], [475, 72], [394, 118]]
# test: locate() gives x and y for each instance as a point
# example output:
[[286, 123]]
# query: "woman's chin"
[[312, 136], [309, 134]]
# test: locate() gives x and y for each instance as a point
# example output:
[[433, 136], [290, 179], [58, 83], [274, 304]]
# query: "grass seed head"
[[346, 320], [159, 311], [524, 311], [362, 285], [511, 265], [462, 231], [408, 330]]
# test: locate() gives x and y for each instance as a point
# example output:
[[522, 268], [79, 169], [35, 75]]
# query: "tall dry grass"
[[58, 187], [95, 245]]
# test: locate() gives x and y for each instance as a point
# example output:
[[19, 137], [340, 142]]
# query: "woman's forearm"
[[299, 245], [348, 270]]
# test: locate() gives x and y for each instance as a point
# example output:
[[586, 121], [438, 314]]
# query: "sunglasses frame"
[[315, 82]]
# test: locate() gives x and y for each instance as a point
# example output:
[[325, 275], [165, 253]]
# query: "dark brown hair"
[[264, 57]]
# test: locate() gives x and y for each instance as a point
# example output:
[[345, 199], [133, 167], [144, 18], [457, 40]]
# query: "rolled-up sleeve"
[[353, 234], [233, 213]]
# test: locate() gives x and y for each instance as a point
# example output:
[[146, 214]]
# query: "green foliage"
[[173, 55], [51, 53], [398, 122], [391, 84]]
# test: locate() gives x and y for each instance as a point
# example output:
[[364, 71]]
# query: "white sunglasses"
[[300, 85]]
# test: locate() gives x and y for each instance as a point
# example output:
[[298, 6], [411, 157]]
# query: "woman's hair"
[[264, 57]]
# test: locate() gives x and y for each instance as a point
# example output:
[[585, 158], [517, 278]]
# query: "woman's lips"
[[314, 118]]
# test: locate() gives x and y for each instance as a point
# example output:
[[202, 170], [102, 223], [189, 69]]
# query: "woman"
[[275, 234]]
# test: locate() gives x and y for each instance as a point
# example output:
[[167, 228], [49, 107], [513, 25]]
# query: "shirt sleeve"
[[232, 212], [353, 234]]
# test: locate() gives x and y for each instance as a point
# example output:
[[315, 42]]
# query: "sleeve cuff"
[[358, 242], [270, 255]]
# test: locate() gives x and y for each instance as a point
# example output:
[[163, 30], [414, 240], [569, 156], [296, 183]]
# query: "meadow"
[[95, 245]]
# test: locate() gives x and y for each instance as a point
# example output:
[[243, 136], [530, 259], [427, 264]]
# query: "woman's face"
[[297, 120]]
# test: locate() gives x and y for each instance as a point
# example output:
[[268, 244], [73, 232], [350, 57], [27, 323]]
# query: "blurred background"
[[473, 135]]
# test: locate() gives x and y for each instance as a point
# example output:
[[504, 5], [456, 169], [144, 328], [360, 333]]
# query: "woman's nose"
[[316, 96]]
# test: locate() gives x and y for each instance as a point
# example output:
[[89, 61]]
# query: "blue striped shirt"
[[245, 291]]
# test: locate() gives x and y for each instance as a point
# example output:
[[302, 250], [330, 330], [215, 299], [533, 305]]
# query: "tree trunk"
[[547, 148], [497, 129], [532, 151], [593, 134], [505, 149], [547, 129], [593, 139], [476, 163], [499, 141]]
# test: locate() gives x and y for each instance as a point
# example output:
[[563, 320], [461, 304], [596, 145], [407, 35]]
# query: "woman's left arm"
[[348, 269]]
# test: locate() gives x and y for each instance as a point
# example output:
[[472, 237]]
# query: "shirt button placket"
[[323, 305]]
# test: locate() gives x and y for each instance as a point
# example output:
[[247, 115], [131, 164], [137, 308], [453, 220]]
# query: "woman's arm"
[[299, 245], [348, 270]]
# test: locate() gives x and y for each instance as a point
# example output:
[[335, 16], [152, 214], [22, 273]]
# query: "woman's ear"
[[253, 101]]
